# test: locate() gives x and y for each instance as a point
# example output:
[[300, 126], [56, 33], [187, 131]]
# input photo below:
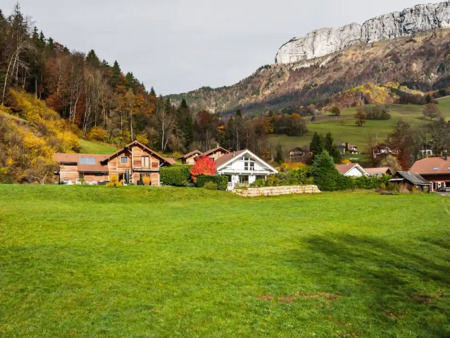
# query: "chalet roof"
[[192, 153], [374, 171], [212, 151], [413, 178], [170, 160], [228, 157], [221, 161], [432, 166], [95, 166], [345, 168], [135, 143]]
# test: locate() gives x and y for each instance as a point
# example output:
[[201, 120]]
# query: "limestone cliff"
[[420, 18]]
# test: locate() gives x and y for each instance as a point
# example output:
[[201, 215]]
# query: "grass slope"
[[91, 147], [344, 129], [139, 261]]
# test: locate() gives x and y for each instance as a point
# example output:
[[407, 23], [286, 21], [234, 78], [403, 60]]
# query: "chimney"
[[445, 155], [234, 153]]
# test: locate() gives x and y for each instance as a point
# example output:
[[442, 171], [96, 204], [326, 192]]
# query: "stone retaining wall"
[[277, 191]]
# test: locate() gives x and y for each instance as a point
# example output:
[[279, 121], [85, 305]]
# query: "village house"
[[345, 148], [243, 168], [408, 181], [298, 154], [379, 171], [216, 153], [435, 170], [189, 158], [383, 150], [129, 164], [351, 170]]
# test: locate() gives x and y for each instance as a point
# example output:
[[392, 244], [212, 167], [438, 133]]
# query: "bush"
[[177, 175], [220, 181], [114, 182], [97, 134], [371, 182], [210, 186], [146, 180], [301, 176]]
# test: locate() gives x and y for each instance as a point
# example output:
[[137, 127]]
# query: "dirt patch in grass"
[[301, 295]]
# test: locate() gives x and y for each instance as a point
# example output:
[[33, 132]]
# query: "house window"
[[243, 179], [145, 162], [249, 164], [123, 160]]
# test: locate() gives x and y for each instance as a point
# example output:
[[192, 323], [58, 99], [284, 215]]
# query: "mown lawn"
[[139, 261], [344, 129]]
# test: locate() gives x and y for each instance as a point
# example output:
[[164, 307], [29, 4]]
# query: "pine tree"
[[92, 59], [324, 171], [332, 149], [116, 73], [317, 145]]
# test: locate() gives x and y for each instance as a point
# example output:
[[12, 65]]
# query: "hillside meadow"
[[142, 261], [344, 129]]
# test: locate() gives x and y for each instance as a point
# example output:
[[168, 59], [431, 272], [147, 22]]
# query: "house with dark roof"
[[243, 168], [435, 170], [409, 180], [299, 154], [129, 164], [345, 148]]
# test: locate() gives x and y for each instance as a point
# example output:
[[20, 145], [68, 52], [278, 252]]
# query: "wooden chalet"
[[435, 170], [129, 164], [216, 153], [299, 154], [189, 158]]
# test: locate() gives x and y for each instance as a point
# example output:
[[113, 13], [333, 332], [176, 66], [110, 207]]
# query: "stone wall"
[[277, 191]]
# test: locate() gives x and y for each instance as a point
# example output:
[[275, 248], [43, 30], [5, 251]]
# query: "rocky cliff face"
[[420, 18]]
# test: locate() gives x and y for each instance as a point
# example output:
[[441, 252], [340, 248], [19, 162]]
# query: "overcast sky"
[[181, 45]]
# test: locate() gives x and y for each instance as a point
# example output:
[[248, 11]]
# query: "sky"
[[180, 45]]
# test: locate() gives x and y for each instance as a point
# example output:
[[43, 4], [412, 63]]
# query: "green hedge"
[[177, 175], [221, 181]]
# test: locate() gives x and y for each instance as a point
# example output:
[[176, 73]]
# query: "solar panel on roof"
[[86, 160]]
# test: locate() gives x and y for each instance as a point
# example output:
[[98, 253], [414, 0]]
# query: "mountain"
[[421, 18], [390, 48]]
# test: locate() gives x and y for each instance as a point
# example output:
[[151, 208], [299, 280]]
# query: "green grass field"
[[140, 261], [344, 129], [91, 147]]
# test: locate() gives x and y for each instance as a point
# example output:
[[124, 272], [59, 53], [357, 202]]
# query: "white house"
[[243, 167], [352, 170]]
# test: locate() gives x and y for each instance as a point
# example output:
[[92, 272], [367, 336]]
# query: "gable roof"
[[136, 143], [231, 156], [212, 151], [345, 168], [192, 153], [413, 178], [375, 171], [74, 159], [432, 166]]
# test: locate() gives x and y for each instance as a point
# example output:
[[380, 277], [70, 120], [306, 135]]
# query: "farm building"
[[345, 148], [243, 167], [130, 164], [409, 180], [298, 154], [351, 170], [435, 170]]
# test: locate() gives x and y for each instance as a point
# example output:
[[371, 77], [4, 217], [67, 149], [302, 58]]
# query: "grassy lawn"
[[344, 129], [139, 261], [91, 147]]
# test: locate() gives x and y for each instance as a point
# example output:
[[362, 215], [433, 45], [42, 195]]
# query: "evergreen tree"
[[332, 149], [325, 174], [316, 145], [116, 73], [279, 156], [92, 59], [185, 123]]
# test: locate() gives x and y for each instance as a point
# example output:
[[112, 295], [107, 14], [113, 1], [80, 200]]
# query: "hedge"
[[177, 175], [221, 181]]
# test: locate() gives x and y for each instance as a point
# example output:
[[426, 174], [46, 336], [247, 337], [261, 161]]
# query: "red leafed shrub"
[[203, 166]]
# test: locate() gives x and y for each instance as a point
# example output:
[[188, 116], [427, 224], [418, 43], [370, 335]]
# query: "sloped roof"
[[413, 178], [345, 168], [170, 160], [192, 153], [227, 157], [221, 161], [212, 151], [432, 166], [137, 143], [63, 158], [374, 171]]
